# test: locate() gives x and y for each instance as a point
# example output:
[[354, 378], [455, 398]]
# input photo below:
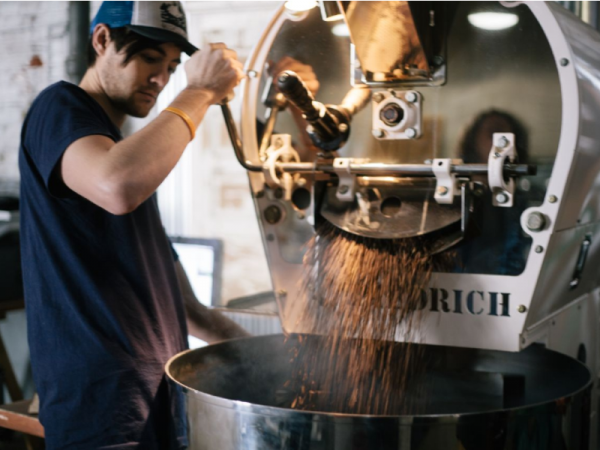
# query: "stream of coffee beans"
[[360, 294]]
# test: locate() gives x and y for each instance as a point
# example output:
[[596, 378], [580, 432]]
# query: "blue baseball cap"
[[161, 21]]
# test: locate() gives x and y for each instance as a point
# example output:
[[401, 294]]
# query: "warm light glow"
[[341, 29], [493, 20], [300, 5]]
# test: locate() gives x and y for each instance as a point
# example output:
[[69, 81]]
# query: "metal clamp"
[[503, 148], [280, 151], [347, 181], [446, 187]]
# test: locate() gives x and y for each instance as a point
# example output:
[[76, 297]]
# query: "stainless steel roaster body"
[[475, 122]]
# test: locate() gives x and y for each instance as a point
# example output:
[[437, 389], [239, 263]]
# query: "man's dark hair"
[[124, 38], [509, 124]]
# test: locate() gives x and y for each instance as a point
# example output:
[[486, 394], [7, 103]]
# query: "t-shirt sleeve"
[[58, 118]]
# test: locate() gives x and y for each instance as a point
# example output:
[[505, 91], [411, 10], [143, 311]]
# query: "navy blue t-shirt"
[[103, 304]]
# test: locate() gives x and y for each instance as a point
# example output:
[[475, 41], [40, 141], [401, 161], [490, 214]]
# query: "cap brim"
[[164, 36]]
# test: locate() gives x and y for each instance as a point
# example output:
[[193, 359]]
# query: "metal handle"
[[236, 141]]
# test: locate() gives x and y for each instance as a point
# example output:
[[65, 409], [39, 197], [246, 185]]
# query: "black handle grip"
[[294, 89]]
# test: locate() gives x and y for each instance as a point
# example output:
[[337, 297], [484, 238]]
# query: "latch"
[[446, 187], [503, 148]]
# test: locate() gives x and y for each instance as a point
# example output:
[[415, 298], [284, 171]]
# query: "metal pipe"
[[409, 170], [79, 26]]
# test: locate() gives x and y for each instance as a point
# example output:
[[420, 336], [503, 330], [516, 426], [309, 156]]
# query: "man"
[[104, 306]]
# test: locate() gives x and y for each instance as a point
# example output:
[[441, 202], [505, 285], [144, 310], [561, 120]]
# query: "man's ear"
[[101, 39]]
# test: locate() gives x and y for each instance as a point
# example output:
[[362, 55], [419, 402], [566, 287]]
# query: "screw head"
[[553, 199], [564, 62], [539, 249], [252, 73], [378, 133], [343, 189], [442, 190], [411, 96], [502, 142], [410, 133], [343, 127], [501, 198], [536, 221], [377, 97], [522, 308]]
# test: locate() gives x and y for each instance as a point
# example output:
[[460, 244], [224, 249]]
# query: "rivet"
[[539, 249], [553, 199], [343, 189], [501, 198], [502, 142], [410, 133], [412, 96], [564, 62], [252, 73], [522, 308], [343, 127], [442, 190]]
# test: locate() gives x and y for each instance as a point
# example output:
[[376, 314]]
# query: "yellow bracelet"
[[185, 118]]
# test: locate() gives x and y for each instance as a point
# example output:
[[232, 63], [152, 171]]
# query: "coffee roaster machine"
[[472, 122]]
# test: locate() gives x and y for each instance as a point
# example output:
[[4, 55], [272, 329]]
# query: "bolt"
[[553, 199], [343, 127], [564, 62], [539, 249], [522, 308], [442, 190], [343, 189], [536, 221], [501, 198], [410, 133], [411, 97], [378, 97], [272, 214], [378, 133], [502, 142], [252, 73]]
